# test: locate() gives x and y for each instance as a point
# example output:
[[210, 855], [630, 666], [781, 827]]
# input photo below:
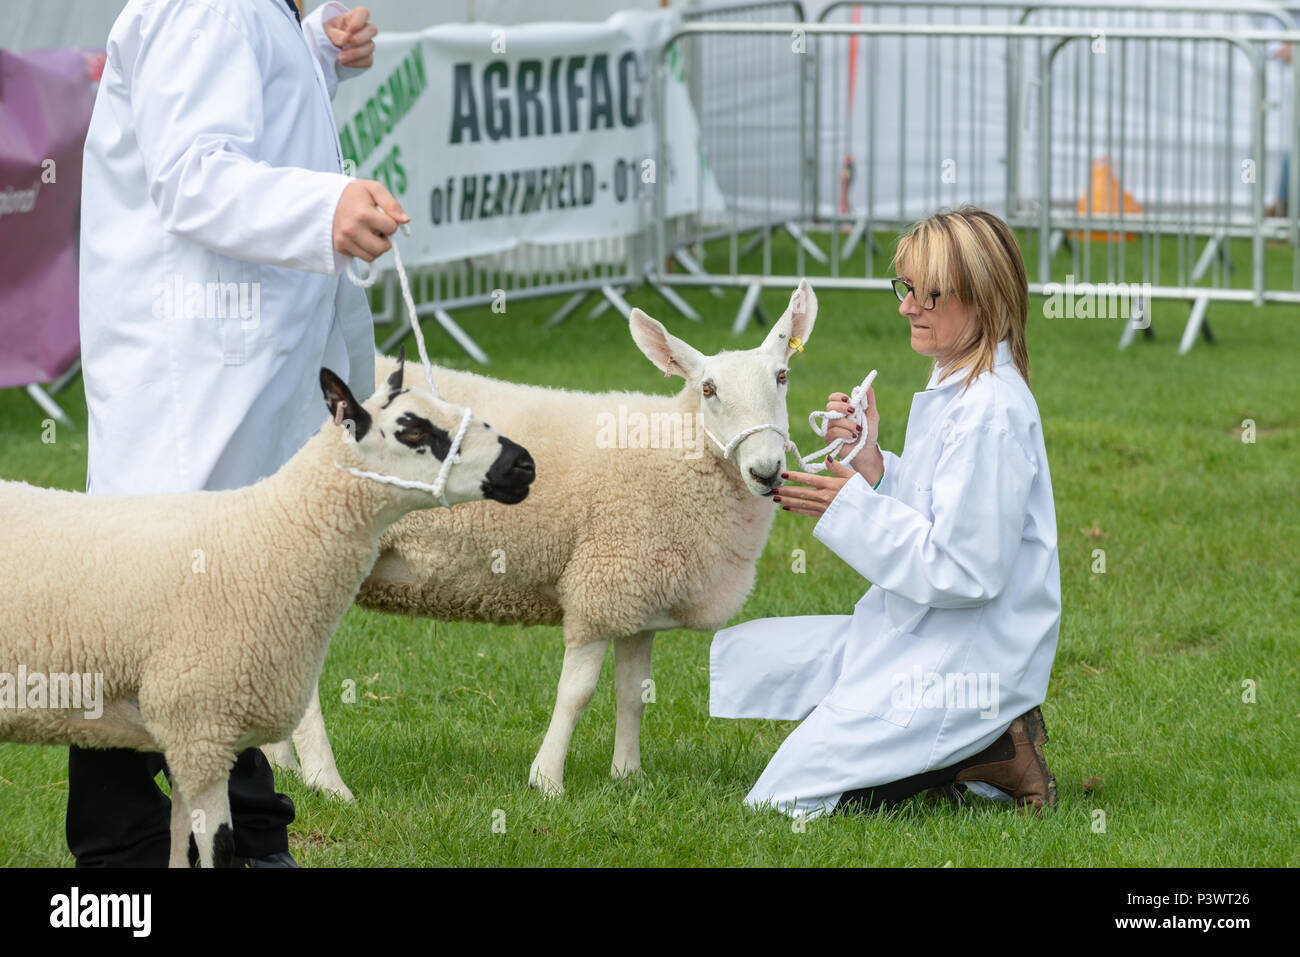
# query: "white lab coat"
[[213, 158], [960, 542]]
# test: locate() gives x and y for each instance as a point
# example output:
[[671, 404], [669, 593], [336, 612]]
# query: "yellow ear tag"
[[796, 344]]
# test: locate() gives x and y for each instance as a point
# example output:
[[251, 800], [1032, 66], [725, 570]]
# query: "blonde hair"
[[973, 255]]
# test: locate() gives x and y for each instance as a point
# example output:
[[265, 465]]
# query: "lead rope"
[[858, 401], [819, 422], [439, 485]]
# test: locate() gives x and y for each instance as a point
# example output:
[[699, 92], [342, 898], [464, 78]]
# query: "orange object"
[[1106, 199]]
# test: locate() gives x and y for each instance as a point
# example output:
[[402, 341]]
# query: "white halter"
[[858, 400], [453, 453]]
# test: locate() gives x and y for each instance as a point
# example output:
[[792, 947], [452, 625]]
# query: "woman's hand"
[[868, 463], [354, 37], [821, 490]]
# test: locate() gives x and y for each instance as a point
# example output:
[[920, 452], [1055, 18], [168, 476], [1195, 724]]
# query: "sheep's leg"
[[631, 677], [180, 850], [577, 684], [318, 768], [209, 807], [282, 757]]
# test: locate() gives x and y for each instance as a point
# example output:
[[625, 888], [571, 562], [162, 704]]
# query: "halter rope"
[[819, 422], [453, 453]]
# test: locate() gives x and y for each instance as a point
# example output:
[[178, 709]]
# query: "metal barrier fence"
[[606, 268], [1018, 72], [1178, 199]]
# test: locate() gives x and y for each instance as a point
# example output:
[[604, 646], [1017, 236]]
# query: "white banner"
[[492, 137]]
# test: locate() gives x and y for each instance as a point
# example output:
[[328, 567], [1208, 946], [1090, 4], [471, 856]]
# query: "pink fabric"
[[45, 101]]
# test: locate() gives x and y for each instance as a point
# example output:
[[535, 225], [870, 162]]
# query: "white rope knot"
[[820, 421], [439, 485]]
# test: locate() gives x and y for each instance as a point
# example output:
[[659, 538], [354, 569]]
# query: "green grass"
[[1145, 707]]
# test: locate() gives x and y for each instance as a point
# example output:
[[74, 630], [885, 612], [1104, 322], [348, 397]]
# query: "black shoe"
[[278, 859]]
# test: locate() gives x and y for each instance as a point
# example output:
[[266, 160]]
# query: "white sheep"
[[208, 614], [616, 541]]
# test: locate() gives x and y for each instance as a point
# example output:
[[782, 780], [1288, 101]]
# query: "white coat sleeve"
[[964, 557], [891, 470], [196, 103], [327, 54]]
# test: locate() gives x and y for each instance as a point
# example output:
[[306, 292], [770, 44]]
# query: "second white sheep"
[[624, 533]]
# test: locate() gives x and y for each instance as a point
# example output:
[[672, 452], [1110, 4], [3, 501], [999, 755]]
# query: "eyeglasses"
[[902, 288]]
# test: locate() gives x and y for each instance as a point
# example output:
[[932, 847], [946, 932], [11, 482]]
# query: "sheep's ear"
[[343, 406], [395, 380], [795, 323], [669, 354]]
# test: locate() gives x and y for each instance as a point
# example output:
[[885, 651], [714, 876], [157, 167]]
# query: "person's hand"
[[361, 230], [869, 463], [354, 36], [1284, 53], [820, 491]]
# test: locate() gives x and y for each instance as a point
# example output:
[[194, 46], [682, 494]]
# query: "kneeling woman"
[[937, 676]]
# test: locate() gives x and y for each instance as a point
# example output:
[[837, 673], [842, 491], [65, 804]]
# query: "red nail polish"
[[776, 498], [785, 475], [785, 508]]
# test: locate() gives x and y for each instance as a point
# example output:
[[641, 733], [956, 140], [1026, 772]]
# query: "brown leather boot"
[[1014, 763]]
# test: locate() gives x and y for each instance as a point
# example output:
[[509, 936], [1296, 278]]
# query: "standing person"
[[216, 219], [937, 676]]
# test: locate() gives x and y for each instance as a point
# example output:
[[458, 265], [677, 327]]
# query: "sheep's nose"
[[771, 479], [510, 475], [514, 465], [522, 468]]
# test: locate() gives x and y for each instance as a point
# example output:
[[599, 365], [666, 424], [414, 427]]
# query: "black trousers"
[[884, 795], [119, 817]]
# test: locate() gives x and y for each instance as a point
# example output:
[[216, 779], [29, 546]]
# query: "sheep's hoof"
[[340, 792], [541, 783], [332, 789], [624, 772]]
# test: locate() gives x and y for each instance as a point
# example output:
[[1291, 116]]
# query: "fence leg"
[[1054, 243], [681, 305], [802, 239], [1126, 337], [1139, 318], [797, 234], [1212, 247], [566, 310], [695, 269], [756, 240], [459, 334], [613, 297], [48, 405], [747, 307], [403, 327], [855, 236], [1194, 323], [61, 383]]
